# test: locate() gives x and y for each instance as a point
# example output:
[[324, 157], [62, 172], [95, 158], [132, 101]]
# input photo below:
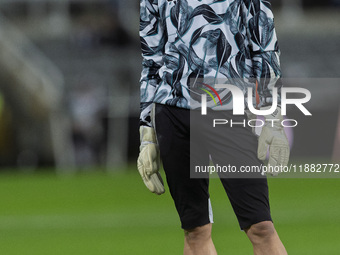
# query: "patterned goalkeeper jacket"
[[184, 41]]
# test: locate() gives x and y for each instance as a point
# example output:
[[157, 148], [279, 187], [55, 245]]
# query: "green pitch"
[[97, 213]]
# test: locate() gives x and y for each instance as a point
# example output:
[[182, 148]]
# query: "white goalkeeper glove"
[[273, 135], [149, 160]]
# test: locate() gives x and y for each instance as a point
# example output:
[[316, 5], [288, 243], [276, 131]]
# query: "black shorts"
[[238, 146]]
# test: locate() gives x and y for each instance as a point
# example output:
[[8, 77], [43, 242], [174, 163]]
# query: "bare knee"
[[198, 234], [261, 231]]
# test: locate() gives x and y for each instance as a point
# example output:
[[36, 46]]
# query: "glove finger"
[[152, 159], [274, 152], [280, 153], [283, 156], [144, 166], [160, 178], [159, 184], [155, 183], [149, 159], [278, 158], [262, 149], [141, 167], [273, 162]]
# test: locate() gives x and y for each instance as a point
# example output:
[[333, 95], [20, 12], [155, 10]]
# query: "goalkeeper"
[[185, 41]]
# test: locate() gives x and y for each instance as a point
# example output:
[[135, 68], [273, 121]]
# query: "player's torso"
[[205, 40]]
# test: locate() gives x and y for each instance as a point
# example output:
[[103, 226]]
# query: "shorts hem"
[[195, 225], [248, 225]]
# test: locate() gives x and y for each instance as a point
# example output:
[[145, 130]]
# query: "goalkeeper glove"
[[273, 135], [149, 160]]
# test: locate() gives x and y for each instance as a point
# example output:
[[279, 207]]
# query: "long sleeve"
[[264, 48], [153, 38]]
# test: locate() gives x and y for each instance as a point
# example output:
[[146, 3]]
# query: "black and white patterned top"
[[184, 41]]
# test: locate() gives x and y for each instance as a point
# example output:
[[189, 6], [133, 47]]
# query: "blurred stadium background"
[[69, 106]]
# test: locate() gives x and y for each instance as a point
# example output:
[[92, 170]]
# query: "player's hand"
[[274, 137], [148, 162]]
